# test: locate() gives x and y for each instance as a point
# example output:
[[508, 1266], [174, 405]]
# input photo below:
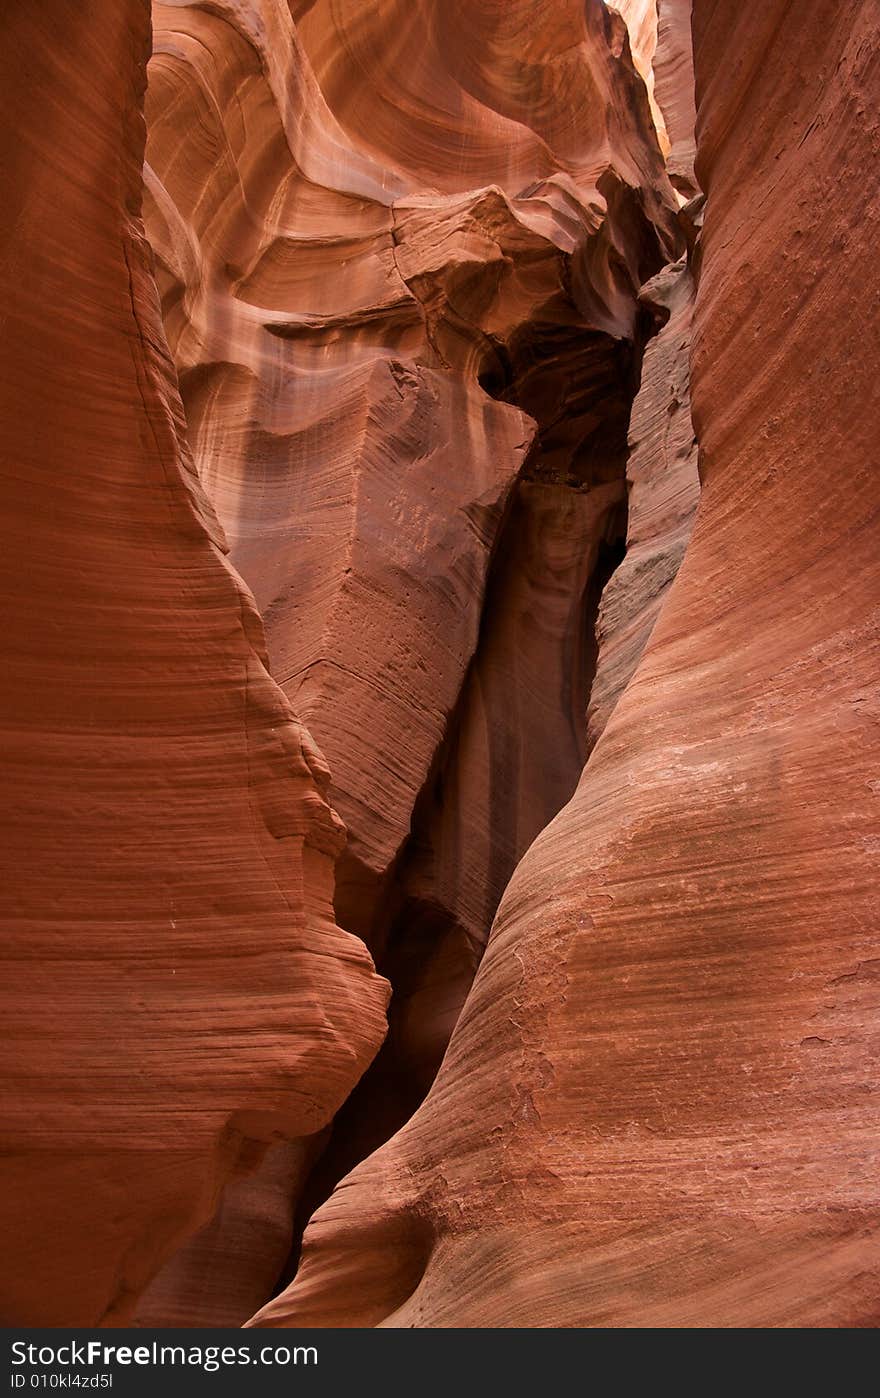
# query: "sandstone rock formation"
[[400, 270], [176, 991], [660, 39], [659, 1106], [674, 90], [663, 491], [642, 20], [432, 330], [342, 287]]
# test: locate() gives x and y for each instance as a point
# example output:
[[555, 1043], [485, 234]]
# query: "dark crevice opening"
[[579, 385]]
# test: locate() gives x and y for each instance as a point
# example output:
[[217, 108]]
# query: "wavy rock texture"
[[176, 990], [674, 90], [642, 20], [660, 38], [400, 249], [364, 237], [659, 1106]]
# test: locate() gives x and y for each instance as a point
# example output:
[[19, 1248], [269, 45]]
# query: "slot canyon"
[[440, 709]]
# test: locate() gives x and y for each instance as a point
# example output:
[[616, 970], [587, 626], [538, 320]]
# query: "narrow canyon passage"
[[511, 755], [439, 835], [410, 409], [657, 1107]]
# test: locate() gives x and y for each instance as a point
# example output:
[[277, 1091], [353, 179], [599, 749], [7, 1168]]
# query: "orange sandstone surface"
[[440, 546], [176, 991]]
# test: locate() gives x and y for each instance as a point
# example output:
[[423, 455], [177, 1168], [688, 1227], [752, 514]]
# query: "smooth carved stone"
[[513, 756], [674, 90], [641, 19], [659, 1106], [518, 749], [215, 1274], [660, 37], [454, 95], [176, 990], [399, 248], [663, 493], [336, 325], [332, 348]]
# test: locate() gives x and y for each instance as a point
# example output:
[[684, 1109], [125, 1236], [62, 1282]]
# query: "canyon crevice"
[[441, 538], [408, 399]]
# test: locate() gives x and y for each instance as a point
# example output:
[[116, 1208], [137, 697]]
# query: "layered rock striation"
[[549, 612], [382, 263], [177, 993], [400, 254], [660, 39], [659, 1105]]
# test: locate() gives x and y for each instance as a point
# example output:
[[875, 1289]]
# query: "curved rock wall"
[[345, 274], [175, 988], [400, 251], [674, 89], [420, 342], [659, 1106], [663, 492]]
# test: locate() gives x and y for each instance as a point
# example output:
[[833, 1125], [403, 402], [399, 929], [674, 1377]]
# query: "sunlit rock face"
[[659, 1106], [176, 991], [641, 19], [660, 41], [674, 90]]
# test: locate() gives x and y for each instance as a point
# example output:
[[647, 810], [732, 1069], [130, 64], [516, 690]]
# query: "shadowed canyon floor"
[[441, 532]]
